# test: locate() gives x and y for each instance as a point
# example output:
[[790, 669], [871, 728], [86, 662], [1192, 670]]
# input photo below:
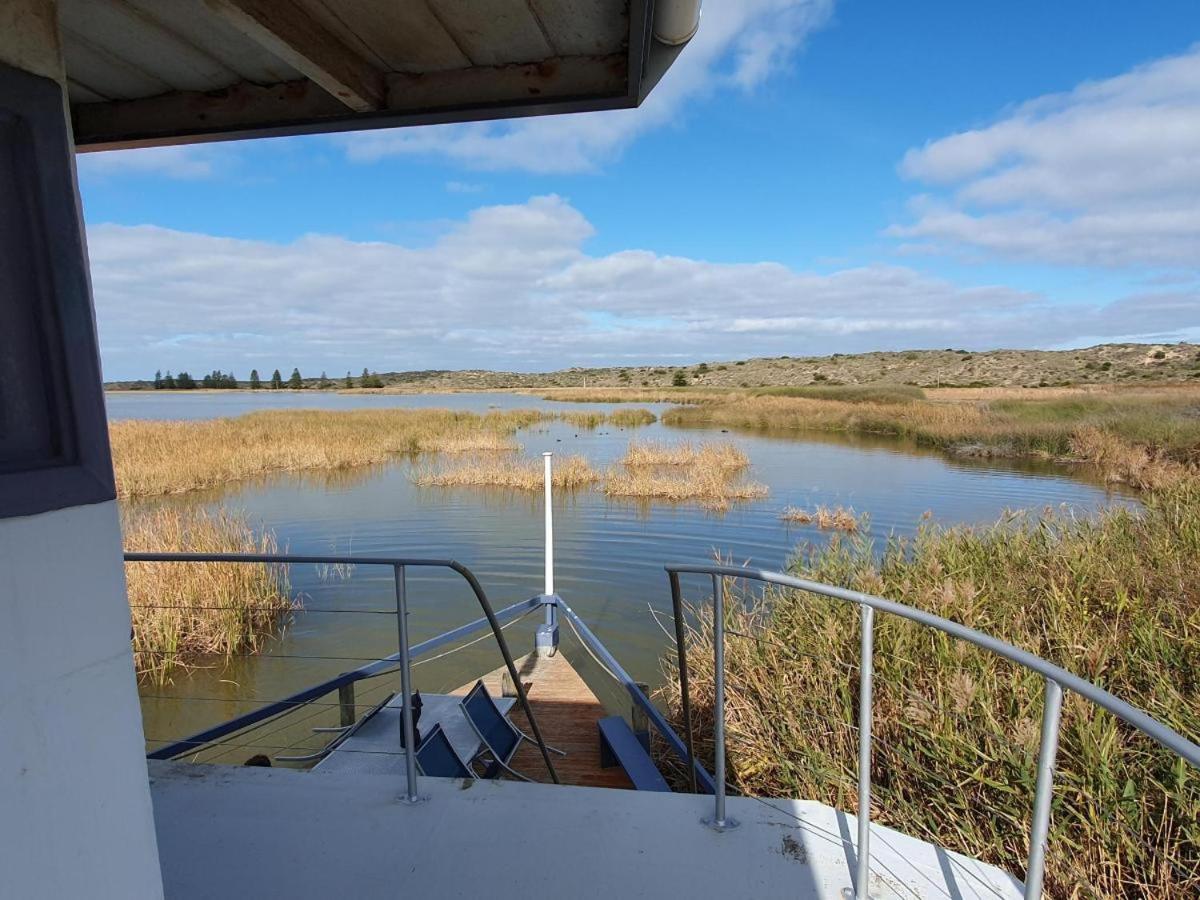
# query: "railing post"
[[346, 705], [1040, 830], [866, 675], [685, 698], [719, 821], [407, 733]]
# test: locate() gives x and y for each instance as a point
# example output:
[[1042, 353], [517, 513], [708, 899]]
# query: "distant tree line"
[[227, 380]]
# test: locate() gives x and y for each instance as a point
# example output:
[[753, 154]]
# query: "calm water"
[[609, 553]]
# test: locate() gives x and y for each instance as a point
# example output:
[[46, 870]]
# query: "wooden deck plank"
[[567, 711]]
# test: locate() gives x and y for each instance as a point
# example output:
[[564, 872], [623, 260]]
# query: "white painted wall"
[[75, 812]]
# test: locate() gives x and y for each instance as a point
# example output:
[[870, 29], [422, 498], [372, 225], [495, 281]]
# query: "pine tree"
[[231, 382], [185, 382], [169, 381], [158, 380], [294, 382], [324, 384], [255, 383], [276, 381], [349, 381]]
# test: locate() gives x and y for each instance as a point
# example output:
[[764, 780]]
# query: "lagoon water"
[[609, 553]]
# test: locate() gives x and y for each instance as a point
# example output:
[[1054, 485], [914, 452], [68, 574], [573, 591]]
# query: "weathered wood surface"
[[567, 711]]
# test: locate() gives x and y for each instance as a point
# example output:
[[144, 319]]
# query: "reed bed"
[[623, 418], [570, 472], [588, 420], [714, 488], [172, 457], [837, 518], [1145, 438], [707, 472], [1114, 599], [709, 455], [183, 612], [628, 395], [632, 418]]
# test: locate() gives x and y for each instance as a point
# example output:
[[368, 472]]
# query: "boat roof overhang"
[[155, 72]]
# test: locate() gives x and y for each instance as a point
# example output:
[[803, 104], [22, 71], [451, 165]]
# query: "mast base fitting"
[[545, 643]]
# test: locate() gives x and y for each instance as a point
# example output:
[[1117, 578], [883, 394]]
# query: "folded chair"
[[500, 737], [437, 757]]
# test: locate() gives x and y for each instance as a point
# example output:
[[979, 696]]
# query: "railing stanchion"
[[685, 699], [346, 705], [719, 821], [1040, 830], [866, 675], [408, 732]]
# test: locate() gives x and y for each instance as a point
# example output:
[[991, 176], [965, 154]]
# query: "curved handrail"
[[398, 566], [1056, 678]]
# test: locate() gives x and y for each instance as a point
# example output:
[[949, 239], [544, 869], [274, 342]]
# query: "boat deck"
[[567, 711], [235, 831]]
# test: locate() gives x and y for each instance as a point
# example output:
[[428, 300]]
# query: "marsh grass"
[[628, 395], [849, 393], [570, 472], [1114, 599], [709, 455], [714, 489], [1144, 438], [172, 457], [588, 420], [709, 472], [837, 518], [632, 418], [184, 612]]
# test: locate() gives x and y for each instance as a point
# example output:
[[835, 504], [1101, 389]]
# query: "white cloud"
[[511, 287], [739, 44], [187, 161], [1107, 174]]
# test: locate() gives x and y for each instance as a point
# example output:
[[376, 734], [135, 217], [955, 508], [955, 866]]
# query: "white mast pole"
[[546, 642], [549, 478]]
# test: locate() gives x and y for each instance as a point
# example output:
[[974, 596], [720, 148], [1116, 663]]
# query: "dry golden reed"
[[183, 612], [710, 455], [171, 457], [707, 472], [570, 472], [1144, 437], [956, 729], [838, 518]]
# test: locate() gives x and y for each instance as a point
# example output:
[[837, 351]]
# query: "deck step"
[[620, 746]]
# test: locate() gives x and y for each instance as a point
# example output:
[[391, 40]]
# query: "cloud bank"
[[1106, 175], [511, 287]]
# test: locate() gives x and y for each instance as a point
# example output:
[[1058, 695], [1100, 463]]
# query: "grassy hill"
[[1130, 364]]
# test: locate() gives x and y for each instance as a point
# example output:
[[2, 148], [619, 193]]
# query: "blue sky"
[[811, 177]]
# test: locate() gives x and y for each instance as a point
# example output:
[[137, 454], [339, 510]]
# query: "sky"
[[810, 177]]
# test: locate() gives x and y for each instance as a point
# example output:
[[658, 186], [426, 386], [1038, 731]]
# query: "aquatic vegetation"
[[720, 455], [152, 457], [714, 488], [587, 420], [632, 418], [838, 518], [849, 393], [626, 395], [509, 472], [1114, 599], [183, 612], [1145, 438], [707, 472]]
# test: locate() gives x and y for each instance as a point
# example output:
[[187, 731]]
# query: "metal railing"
[[402, 659], [1056, 681]]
